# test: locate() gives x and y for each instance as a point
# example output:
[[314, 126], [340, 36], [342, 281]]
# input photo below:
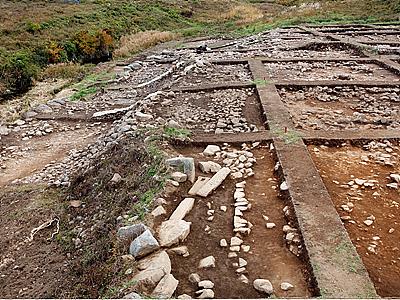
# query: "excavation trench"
[[343, 170], [268, 258]]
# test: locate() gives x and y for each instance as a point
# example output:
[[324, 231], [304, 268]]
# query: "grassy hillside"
[[34, 34]]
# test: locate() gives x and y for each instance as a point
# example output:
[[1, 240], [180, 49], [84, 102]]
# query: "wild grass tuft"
[[133, 43]]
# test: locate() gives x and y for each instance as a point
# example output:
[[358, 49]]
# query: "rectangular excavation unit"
[[348, 108], [364, 185]]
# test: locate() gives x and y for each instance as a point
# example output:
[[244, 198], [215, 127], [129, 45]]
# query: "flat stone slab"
[[214, 182], [183, 209], [198, 184]]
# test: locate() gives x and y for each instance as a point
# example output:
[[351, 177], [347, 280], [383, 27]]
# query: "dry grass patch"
[[66, 71], [136, 42], [243, 14]]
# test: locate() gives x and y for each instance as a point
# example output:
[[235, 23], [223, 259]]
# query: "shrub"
[[66, 71], [94, 47], [56, 53], [32, 27], [18, 71]]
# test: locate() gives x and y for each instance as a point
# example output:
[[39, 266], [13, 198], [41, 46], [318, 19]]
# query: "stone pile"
[[219, 111]]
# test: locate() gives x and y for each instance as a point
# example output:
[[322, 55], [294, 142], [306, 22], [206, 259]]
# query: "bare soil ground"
[[340, 165], [266, 245], [37, 268]]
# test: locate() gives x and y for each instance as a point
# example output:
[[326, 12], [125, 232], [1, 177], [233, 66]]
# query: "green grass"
[[289, 137], [90, 85], [176, 133], [156, 172], [260, 82]]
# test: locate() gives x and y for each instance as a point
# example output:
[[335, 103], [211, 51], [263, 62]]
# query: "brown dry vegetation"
[[243, 14], [132, 43]]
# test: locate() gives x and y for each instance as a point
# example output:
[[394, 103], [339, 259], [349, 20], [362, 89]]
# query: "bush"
[[18, 71], [56, 53], [94, 48]]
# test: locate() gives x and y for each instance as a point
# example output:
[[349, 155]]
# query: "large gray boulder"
[[187, 163], [144, 244]]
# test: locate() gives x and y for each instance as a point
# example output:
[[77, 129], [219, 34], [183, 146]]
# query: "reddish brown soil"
[[36, 269], [340, 164], [253, 112], [268, 257]]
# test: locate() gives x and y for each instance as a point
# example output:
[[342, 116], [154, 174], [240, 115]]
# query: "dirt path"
[[33, 155]]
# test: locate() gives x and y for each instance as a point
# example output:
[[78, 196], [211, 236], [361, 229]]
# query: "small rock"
[[368, 222], [179, 176], [206, 294], [284, 186], [132, 295], [194, 278], [43, 109], [270, 225], [244, 279], [75, 203], [242, 262], [395, 177], [142, 116], [206, 284], [209, 166], [211, 150], [131, 232], [184, 296], [235, 241], [223, 243], [116, 178], [223, 208], [263, 285], [245, 248], [158, 211], [181, 250], [285, 286], [207, 262]]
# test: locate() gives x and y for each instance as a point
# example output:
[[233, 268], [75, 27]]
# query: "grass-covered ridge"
[[34, 34]]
